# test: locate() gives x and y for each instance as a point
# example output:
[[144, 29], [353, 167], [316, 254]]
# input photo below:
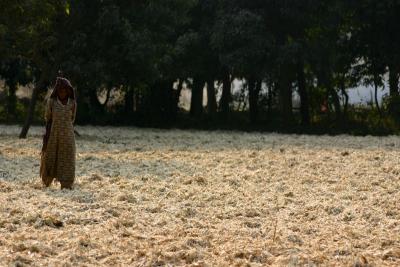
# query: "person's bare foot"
[[47, 182]]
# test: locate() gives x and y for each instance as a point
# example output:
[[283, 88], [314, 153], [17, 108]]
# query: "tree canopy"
[[142, 54]]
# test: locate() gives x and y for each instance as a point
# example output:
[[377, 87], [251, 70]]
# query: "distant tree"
[[375, 40], [244, 46], [15, 72], [34, 40]]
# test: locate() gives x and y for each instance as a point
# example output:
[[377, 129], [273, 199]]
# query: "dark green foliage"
[[138, 55]]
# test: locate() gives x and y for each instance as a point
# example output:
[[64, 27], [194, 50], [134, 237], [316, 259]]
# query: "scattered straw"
[[179, 198]]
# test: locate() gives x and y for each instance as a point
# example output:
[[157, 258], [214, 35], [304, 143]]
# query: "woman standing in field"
[[58, 151]]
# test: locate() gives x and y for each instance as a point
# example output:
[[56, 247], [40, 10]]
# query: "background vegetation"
[[138, 55]]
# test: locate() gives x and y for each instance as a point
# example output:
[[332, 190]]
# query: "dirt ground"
[[146, 197]]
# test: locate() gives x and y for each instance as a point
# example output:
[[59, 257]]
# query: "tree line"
[[148, 50]]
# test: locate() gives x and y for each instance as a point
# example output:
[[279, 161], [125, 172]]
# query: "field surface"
[[146, 197]]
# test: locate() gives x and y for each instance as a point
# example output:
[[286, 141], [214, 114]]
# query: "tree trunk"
[[107, 96], [196, 103], [393, 89], [226, 97], [393, 81], [346, 98], [129, 100], [11, 100], [41, 85], [242, 99], [325, 80], [177, 95], [285, 98], [254, 90], [376, 95], [170, 107], [304, 104], [211, 98], [137, 101], [95, 104], [270, 96], [336, 102]]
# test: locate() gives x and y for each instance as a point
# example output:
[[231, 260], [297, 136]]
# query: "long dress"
[[59, 155]]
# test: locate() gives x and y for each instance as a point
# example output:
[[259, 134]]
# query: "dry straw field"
[[149, 197]]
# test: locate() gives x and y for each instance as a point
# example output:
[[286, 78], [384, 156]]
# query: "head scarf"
[[63, 83]]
